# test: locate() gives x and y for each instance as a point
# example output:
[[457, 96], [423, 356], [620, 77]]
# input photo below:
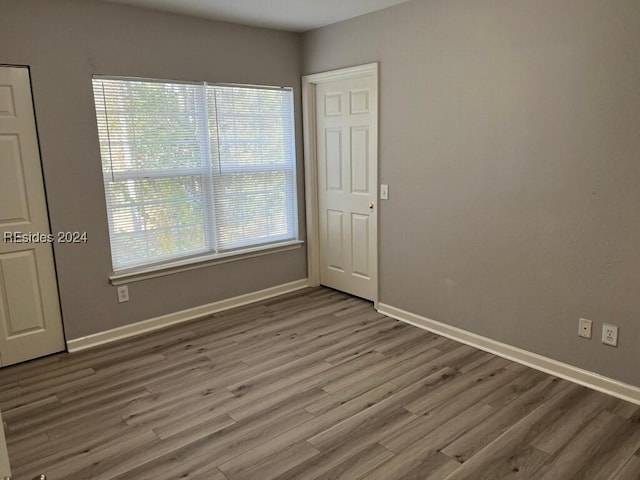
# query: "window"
[[194, 169]]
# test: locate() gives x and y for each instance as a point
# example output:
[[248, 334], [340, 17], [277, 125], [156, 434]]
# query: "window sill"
[[145, 273]]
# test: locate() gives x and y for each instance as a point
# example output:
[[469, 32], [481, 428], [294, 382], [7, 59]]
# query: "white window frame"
[[207, 256]]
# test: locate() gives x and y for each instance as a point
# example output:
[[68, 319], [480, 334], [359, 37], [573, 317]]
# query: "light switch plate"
[[384, 192]]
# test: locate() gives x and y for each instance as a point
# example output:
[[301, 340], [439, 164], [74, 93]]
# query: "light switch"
[[384, 192]]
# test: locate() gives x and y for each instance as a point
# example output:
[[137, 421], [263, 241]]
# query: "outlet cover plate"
[[610, 334], [584, 327], [123, 294]]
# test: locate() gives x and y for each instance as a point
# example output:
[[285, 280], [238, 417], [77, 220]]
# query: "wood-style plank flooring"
[[311, 385]]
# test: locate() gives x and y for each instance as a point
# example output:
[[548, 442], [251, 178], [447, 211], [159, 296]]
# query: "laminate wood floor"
[[311, 385]]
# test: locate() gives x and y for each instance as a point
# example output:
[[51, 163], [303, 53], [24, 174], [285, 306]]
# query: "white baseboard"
[[156, 323], [577, 375]]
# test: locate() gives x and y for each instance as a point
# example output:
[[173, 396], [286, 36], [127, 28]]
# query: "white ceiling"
[[293, 15]]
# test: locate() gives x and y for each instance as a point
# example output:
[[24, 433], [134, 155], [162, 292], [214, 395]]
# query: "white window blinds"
[[194, 169]]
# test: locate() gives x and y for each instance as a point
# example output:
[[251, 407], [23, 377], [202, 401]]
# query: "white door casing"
[[30, 320], [5, 470], [341, 140]]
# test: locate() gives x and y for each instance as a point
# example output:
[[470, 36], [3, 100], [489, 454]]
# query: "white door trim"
[[5, 469], [309, 83]]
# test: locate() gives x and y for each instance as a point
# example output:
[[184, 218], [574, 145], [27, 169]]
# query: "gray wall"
[[65, 43], [510, 138]]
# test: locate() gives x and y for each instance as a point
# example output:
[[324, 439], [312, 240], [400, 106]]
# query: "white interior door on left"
[[30, 320]]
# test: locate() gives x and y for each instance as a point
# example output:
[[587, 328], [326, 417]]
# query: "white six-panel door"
[[346, 139], [30, 322]]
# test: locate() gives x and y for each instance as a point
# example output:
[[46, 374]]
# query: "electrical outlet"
[[610, 335], [123, 294], [384, 192], [584, 327]]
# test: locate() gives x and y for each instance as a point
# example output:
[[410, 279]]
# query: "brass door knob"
[[371, 204]]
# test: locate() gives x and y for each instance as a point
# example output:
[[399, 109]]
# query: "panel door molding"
[[341, 168], [30, 320]]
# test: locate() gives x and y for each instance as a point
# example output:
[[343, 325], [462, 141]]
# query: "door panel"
[[360, 245], [347, 184], [14, 209], [20, 298], [335, 240], [30, 321], [360, 160], [333, 139], [332, 104], [359, 101]]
